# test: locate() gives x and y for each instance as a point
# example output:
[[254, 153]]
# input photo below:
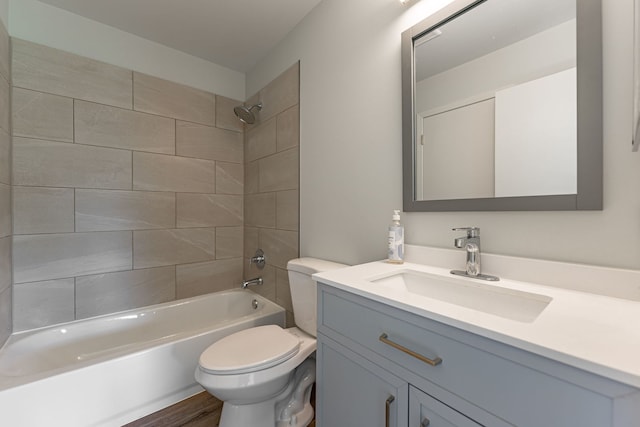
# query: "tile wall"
[[5, 187], [272, 185], [127, 189]]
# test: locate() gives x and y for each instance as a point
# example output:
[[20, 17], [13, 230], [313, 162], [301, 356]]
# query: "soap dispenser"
[[395, 254]]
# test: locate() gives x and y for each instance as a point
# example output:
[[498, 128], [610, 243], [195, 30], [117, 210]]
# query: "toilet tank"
[[303, 290]]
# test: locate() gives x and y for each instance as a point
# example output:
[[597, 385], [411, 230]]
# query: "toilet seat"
[[249, 350]]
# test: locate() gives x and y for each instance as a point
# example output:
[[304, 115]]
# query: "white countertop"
[[596, 333]]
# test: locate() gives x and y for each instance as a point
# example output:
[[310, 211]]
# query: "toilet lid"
[[249, 350]]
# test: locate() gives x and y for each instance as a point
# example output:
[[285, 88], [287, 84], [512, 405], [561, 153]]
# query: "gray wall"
[[5, 187], [350, 145], [128, 189]]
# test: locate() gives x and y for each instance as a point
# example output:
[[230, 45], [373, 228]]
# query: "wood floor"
[[201, 410]]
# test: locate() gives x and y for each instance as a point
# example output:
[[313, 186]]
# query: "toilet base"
[[290, 408]]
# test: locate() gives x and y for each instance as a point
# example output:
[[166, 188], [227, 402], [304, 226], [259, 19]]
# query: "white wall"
[[351, 145], [494, 71], [40, 23]]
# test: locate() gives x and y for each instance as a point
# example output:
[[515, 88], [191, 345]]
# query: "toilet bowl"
[[264, 374]]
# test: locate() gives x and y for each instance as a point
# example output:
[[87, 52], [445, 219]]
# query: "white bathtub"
[[113, 369]]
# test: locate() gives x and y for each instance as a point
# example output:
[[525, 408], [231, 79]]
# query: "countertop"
[[596, 333]]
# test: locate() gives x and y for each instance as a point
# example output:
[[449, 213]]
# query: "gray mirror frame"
[[590, 128]]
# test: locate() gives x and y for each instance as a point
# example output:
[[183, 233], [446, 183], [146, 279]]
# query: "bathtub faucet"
[[252, 282]]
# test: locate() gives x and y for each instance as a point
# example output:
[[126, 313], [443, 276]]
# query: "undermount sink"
[[470, 293]]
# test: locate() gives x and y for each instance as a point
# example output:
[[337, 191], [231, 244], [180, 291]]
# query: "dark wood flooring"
[[201, 410]]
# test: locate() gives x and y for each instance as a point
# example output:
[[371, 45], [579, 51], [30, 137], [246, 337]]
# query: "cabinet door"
[[353, 392], [425, 411]]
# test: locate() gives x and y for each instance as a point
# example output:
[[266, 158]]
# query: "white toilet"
[[264, 374]]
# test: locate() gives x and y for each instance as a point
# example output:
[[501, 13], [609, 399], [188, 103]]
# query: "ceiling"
[[236, 34]]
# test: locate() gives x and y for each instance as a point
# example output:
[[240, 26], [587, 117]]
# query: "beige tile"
[[283, 292], [287, 210], [157, 172], [206, 142], [251, 241], [55, 256], [5, 210], [290, 322], [282, 93], [106, 126], [281, 246], [5, 263], [260, 210], [6, 318], [165, 98], [251, 177], [261, 141], [280, 171], [154, 248], [229, 242], [288, 129], [42, 210], [268, 287], [41, 115], [229, 178], [209, 210], [205, 277], [45, 69], [5, 157], [58, 164], [5, 105], [44, 303], [5, 55], [112, 292], [225, 117], [105, 210]]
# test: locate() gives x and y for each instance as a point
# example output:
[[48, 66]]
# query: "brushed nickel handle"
[[425, 422], [433, 362], [387, 410]]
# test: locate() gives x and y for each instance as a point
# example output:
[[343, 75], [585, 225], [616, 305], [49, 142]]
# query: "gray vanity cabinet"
[[442, 376], [355, 392], [425, 411]]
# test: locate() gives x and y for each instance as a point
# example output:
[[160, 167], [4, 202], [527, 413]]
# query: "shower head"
[[246, 114]]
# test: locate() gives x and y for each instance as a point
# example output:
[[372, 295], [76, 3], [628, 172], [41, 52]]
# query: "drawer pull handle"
[[433, 362], [425, 422], [387, 410]]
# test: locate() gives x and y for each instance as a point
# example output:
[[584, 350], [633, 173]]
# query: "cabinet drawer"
[[516, 393], [425, 411]]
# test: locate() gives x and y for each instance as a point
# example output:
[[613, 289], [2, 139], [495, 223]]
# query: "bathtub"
[[114, 369]]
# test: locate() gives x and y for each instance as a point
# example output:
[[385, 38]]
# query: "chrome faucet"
[[471, 244], [252, 282]]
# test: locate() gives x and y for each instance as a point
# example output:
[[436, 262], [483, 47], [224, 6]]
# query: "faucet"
[[471, 244], [252, 282]]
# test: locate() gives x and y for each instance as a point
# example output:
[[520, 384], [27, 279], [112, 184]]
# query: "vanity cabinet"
[[439, 375]]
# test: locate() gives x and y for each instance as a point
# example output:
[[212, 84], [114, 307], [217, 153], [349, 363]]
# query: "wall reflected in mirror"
[[495, 102]]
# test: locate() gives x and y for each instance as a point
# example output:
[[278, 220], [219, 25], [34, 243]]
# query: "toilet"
[[264, 374]]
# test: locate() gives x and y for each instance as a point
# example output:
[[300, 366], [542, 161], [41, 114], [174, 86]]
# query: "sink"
[[470, 293]]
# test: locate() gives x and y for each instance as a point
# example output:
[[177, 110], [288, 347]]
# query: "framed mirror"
[[502, 107]]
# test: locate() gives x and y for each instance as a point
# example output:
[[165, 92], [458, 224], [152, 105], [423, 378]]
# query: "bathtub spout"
[[252, 282]]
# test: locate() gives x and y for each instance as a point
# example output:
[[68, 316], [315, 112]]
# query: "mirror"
[[502, 107]]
